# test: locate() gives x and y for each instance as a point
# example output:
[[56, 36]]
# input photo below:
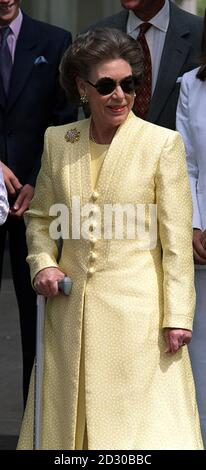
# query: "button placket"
[[92, 254]]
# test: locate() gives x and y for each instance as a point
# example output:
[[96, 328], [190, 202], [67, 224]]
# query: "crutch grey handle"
[[65, 285]]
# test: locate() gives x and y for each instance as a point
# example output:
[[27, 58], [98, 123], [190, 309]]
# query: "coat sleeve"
[[4, 205], [184, 127], [42, 249], [174, 210]]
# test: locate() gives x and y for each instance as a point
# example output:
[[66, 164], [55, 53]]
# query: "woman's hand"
[[45, 281], [175, 338], [203, 239], [198, 246]]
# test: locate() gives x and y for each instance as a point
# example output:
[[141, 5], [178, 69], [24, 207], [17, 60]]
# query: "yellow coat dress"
[[136, 395]]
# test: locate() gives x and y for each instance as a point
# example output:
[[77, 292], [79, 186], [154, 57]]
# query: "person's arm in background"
[[23, 194], [203, 239], [4, 205], [183, 126], [174, 212]]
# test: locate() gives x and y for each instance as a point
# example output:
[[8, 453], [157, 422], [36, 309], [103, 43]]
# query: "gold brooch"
[[72, 136]]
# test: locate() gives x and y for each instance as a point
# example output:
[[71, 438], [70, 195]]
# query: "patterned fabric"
[[5, 59], [144, 92], [136, 395], [4, 206]]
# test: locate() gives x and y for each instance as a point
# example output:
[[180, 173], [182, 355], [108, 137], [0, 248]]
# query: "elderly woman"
[[116, 371], [4, 205], [191, 124]]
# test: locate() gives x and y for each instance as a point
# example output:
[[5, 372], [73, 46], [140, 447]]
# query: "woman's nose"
[[118, 91]]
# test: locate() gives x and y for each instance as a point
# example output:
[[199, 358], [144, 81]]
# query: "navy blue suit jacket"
[[35, 100], [180, 54]]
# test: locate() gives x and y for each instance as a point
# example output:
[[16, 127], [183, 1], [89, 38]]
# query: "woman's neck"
[[103, 136]]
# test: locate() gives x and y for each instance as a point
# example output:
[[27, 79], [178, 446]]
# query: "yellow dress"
[[136, 396]]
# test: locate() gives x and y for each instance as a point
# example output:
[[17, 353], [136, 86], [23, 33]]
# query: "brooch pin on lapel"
[[72, 136]]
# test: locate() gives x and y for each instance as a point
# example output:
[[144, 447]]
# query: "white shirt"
[[155, 35], [4, 205]]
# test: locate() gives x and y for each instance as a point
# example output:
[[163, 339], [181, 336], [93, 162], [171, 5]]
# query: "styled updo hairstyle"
[[92, 48]]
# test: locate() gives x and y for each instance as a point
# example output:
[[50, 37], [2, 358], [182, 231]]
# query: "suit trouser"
[[26, 297], [197, 347]]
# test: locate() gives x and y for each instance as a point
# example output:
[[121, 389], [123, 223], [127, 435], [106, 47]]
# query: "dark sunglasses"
[[107, 85]]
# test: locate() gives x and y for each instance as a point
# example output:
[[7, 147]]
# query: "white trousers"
[[197, 348]]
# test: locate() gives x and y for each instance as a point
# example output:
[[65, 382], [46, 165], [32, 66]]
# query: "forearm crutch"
[[64, 286]]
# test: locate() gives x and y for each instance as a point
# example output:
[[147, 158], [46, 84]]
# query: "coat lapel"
[[114, 164], [24, 59], [174, 55]]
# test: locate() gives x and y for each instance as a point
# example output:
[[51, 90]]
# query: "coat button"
[[90, 272], [93, 211], [92, 256], [92, 227], [93, 241], [95, 195]]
